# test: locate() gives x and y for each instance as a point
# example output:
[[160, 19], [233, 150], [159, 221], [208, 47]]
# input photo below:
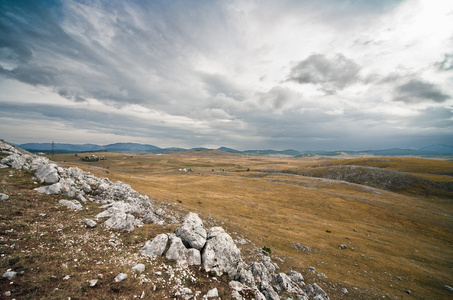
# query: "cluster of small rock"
[[191, 244]]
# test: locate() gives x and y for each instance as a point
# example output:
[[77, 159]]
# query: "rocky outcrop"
[[220, 255], [126, 208]]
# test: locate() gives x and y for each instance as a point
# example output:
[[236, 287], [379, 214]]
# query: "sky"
[[245, 74]]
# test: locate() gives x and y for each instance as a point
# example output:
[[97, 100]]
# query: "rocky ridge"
[[190, 244]]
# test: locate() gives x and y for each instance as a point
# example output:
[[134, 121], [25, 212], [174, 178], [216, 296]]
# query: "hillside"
[[54, 248], [303, 220]]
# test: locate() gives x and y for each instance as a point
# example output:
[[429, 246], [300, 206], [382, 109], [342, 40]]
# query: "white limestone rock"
[[90, 223], [214, 293], [138, 268], [71, 204], [120, 277], [221, 253], [192, 232], [177, 251], [47, 173], [121, 221], [156, 247]]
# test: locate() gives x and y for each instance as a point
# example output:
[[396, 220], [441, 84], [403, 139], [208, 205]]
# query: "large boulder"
[[156, 247], [192, 232], [221, 253], [47, 173]]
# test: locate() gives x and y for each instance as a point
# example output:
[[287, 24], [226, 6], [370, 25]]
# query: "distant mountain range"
[[433, 150]]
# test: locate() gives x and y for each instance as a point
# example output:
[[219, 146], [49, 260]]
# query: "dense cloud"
[[330, 74], [417, 91], [264, 74]]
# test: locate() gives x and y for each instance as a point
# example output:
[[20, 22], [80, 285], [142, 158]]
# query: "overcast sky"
[[301, 74]]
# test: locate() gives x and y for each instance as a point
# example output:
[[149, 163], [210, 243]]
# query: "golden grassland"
[[395, 241]]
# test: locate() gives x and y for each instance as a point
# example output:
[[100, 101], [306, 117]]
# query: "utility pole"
[[53, 149]]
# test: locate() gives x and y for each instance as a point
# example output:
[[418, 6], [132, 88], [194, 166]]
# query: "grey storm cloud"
[[331, 74], [418, 91], [188, 72]]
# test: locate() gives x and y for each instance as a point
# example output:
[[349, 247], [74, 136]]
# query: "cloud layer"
[[242, 74]]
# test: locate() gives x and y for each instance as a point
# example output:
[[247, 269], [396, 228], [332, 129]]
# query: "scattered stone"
[[355, 230], [398, 277], [9, 274], [448, 288], [408, 292], [139, 268], [93, 282], [212, 293], [90, 223], [8, 293], [312, 269], [185, 293], [156, 247], [4, 196], [344, 290], [67, 277], [192, 232], [120, 277], [300, 248], [342, 246], [71, 204]]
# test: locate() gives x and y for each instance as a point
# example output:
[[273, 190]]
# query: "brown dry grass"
[[401, 242], [44, 249]]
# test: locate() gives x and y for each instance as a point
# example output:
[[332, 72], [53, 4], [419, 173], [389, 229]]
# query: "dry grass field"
[[399, 241]]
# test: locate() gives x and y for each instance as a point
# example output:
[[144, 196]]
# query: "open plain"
[[392, 217]]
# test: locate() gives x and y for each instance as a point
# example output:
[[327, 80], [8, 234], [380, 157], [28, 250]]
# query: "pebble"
[[93, 282], [8, 293], [139, 267], [9, 274], [120, 277]]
